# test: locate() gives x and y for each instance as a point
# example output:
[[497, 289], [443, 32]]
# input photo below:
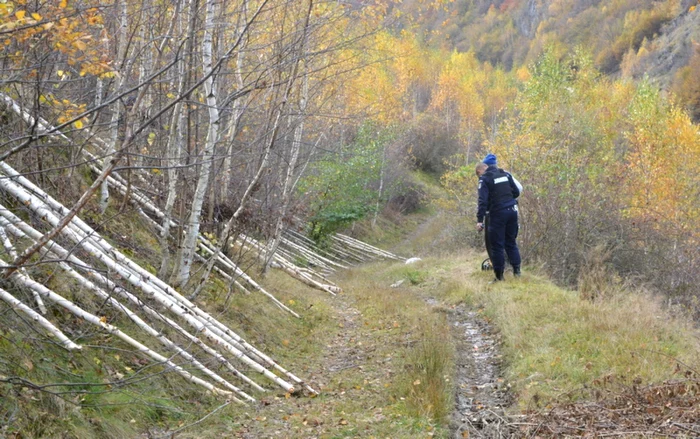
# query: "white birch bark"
[[13, 254], [192, 226], [101, 322], [115, 180], [292, 269], [288, 185], [81, 234], [40, 320], [314, 257], [145, 327], [116, 109], [21, 229], [357, 244], [206, 246]]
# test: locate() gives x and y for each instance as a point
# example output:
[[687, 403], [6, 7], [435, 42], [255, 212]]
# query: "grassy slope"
[[381, 359]]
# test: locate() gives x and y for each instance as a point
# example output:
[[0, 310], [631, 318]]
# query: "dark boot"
[[516, 270], [499, 276]]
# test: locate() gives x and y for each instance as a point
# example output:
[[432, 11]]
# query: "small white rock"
[[412, 260]]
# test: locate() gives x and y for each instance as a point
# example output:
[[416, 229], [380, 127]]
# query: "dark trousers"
[[502, 231]]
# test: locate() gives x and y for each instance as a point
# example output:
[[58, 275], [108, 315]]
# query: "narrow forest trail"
[[366, 373], [362, 362], [480, 393], [352, 372], [355, 369]]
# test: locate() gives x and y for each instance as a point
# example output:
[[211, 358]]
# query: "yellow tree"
[[663, 158]]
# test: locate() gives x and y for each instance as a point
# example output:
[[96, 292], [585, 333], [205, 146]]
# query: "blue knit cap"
[[490, 159]]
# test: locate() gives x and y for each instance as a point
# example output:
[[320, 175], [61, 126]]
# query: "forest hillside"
[[206, 210], [627, 38]]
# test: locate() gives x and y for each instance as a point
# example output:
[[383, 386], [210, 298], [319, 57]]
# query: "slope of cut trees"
[[152, 300], [201, 118]]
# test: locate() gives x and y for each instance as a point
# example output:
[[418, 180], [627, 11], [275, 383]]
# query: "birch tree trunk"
[[22, 230], [116, 109], [271, 142], [294, 156], [192, 225], [175, 148], [13, 254]]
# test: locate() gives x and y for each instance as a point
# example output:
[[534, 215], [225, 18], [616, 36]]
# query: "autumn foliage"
[[607, 164]]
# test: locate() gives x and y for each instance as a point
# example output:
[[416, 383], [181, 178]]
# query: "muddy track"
[[481, 395]]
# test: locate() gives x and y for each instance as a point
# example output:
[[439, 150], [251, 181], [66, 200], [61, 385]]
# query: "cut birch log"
[[13, 254], [312, 256], [148, 283], [293, 270], [330, 253], [368, 248], [22, 229], [204, 245], [51, 330], [145, 327], [101, 322]]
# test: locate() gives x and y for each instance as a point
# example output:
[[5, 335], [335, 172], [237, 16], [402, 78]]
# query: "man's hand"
[[479, 227]]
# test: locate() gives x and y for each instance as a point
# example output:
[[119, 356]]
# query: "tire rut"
[[481, 396]]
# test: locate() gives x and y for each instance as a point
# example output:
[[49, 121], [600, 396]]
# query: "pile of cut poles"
[[144, 298]]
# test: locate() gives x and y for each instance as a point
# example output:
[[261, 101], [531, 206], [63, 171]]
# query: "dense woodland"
[[221, 127]]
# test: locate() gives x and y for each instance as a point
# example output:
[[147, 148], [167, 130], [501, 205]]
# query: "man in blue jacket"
[[498, 195]]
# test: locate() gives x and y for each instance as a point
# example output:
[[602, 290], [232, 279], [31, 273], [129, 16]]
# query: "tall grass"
[[429, 363], [427, 356], [556, 340]]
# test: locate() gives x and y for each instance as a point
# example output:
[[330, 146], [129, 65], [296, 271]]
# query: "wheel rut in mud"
[[481, 396]]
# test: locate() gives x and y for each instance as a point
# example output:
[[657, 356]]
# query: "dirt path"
[[480, 394], [347, 375]]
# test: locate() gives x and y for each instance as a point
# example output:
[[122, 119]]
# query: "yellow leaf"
[[20, 14], [103, 319], [63, 4], [78, 125], [80, 45], [6, 8], [59, 72], [36, 16]]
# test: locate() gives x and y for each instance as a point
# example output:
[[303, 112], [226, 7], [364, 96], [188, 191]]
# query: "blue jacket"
[[497, 191]]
